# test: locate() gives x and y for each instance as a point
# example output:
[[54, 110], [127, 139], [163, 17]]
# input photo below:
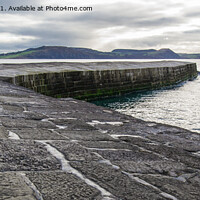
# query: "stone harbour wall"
[[103, 83]]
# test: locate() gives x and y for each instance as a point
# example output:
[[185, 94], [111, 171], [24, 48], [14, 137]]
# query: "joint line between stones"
[[66, 167]]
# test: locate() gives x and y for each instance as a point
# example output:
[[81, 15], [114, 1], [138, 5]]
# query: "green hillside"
[[61, 52]]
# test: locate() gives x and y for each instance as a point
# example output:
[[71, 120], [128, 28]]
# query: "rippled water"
[[179, 106]]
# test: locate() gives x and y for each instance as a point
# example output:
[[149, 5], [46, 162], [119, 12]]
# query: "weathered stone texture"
[[54, 149]]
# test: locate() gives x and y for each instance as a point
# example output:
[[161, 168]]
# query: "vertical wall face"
[[95, 84]]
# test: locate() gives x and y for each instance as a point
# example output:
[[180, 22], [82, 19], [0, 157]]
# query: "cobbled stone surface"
[[70, 149]]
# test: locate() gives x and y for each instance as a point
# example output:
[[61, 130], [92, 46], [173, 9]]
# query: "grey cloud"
[[146, 42], [80, 29], [186, 36], [168, 40], [193, 32], [192, 11], [193, 14], [127, 15]]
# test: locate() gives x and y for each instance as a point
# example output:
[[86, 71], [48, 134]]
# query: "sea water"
[[177, 105]]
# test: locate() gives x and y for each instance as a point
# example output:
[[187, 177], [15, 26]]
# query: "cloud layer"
[[117, 24]]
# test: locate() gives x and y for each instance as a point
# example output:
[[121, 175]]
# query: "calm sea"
[[178, 105]]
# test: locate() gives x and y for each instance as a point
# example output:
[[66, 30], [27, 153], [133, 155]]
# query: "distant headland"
[[62, 52]]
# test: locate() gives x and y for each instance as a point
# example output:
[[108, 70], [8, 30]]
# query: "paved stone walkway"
[[65, 149], [13, 70]]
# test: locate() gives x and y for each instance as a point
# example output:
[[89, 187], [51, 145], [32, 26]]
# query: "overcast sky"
[[136, 24]]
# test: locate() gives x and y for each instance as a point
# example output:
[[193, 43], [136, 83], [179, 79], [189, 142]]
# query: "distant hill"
[[61, 52], [148, 54], [189, 56], [56, 52]]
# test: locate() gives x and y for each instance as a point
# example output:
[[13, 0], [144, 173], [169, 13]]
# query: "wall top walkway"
[[12, 70]]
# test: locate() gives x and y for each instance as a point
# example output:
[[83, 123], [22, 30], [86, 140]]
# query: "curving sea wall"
[[100, 82]]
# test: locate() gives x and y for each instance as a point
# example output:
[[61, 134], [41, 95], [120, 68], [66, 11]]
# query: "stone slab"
[[62, 186], [25, 155], [13, 187]]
